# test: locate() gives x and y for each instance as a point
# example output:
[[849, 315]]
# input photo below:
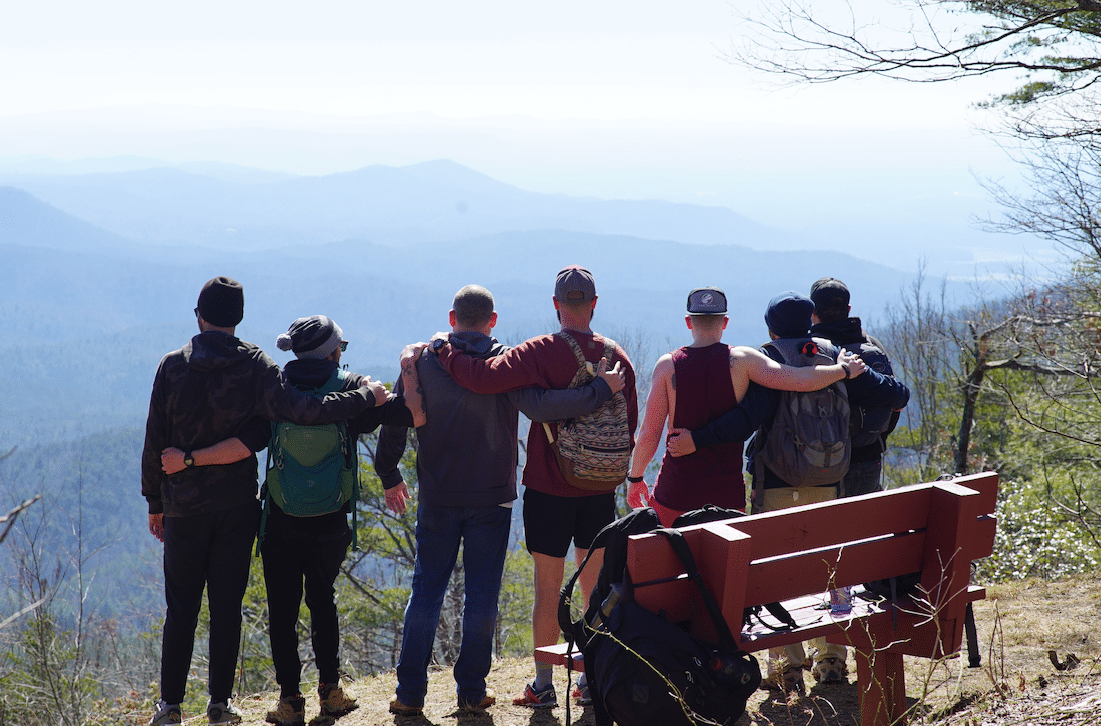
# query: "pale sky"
[[607, 98], [608, 60]]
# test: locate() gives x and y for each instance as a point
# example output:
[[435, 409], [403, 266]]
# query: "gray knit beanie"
[[314, 337]]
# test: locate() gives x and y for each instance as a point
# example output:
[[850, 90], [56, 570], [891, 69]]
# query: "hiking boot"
[[480, 706], [830, 671], [400, 709], [545, 698], [290, 711], [166, 713], [334, 701], [222, 712], [790, 681], [581, 693]]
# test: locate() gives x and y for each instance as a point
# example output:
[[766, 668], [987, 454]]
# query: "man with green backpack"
[[312, 483], [310, 486]]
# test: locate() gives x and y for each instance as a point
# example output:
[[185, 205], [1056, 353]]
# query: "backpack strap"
[[584, 367], [680, 547]]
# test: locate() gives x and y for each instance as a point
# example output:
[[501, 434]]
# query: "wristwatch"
[[189, 460]]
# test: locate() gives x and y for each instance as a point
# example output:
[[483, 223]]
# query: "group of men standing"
[[463, 391]]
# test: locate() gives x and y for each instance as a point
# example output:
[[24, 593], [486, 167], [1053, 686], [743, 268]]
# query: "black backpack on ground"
[[636, 660]]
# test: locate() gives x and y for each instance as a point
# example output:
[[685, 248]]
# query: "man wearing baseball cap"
[[870, 425], [556, 512], [209, 391], [711, 378]]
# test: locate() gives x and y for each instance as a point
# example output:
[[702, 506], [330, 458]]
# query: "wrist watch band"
[[189, 460]]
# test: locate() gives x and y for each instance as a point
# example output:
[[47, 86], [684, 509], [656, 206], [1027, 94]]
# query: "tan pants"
[[793, 656]]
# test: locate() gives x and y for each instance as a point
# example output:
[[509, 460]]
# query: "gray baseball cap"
[[574, 284]]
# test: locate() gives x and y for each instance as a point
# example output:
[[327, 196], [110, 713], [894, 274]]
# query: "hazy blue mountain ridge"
[[95, 311], [431, 201]]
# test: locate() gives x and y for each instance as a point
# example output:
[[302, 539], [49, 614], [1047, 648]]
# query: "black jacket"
[[210, 390]]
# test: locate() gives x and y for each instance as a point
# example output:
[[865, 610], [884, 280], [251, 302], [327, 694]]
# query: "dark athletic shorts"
[[551, 523]]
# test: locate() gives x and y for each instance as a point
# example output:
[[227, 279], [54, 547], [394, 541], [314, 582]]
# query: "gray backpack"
[[808, 442]]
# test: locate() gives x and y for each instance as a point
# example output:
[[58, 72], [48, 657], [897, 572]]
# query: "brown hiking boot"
[[789, 681], [830, 671], [290, 711], [334, 701], [400, 709], [478, 706]]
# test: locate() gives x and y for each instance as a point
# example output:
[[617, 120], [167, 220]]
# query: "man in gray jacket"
[[204, 393], [466, 477]]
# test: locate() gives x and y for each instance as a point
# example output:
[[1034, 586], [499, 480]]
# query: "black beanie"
[[788, 315], [222, 302]]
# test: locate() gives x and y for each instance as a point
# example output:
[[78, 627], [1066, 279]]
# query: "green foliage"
[[517, 597]]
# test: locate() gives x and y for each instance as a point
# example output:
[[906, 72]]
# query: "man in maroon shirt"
[[556, 513], [693, 386]]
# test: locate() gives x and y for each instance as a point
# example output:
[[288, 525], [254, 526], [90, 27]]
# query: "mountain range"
[[100, 272]]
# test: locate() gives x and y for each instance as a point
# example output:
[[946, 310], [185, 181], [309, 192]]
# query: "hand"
[[156, 526], [438, 340], [172, 460], [410, 353], [852, 363], [377, 390], [679, 442], [638, 494], [396, 497], [615, 378]]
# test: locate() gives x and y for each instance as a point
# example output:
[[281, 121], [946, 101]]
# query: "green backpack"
[[312, 470]]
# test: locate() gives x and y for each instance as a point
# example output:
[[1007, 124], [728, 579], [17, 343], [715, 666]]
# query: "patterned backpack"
[[594, 450]]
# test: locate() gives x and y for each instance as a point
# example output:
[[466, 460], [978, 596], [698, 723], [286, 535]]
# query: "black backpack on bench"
[[642, 668]]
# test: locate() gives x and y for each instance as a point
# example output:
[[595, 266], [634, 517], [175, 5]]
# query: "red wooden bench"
[[795, 556]]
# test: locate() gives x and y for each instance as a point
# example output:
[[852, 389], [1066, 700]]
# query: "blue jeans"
[[862, 478], [483, 532]]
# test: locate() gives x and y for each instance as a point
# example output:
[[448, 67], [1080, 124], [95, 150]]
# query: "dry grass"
[[1017, 684]]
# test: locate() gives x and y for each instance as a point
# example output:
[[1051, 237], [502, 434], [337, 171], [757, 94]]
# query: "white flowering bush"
[[1033, 540]]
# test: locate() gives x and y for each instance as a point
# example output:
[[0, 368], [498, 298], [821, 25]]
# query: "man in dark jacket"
[[871, 424], [204, 393], [466, 483]]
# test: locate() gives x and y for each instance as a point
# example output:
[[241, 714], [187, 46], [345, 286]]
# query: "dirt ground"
[[1017, 684]]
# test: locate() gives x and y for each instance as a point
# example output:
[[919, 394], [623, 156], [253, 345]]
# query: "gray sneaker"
[[222, 712], [166, 714]]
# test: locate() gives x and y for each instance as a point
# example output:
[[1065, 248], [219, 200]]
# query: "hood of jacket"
[[840, 333], [214, 349], [307, 373], [476, 344]]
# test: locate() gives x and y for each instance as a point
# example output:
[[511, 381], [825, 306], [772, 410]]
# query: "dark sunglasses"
[[343, 346]]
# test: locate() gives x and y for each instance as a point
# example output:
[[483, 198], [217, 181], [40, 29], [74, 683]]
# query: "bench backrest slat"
[[804, 550]]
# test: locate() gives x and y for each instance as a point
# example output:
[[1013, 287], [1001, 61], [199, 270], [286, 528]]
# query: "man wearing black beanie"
[[206, 392]]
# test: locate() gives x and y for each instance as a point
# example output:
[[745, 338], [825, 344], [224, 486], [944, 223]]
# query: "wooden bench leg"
[[882, 683]]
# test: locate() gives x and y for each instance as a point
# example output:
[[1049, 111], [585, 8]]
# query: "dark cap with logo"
[[707, 301], [574, 284]]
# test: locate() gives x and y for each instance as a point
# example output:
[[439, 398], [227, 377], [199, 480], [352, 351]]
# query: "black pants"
[[210, 550], [297, 550]]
